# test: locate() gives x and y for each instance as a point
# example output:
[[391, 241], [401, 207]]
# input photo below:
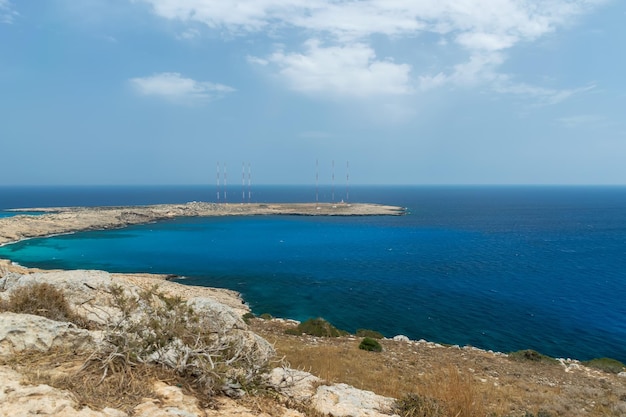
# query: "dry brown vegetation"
[[461, 381]]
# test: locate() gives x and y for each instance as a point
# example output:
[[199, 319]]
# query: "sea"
[[503, 268]]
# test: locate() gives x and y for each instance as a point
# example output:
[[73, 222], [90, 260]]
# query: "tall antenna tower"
[[249, 181], [225, 177], [218, 182], [347, 181], [243, 182], [317, 180], [333, 183]]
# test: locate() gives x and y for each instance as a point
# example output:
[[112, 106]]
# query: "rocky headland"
[[59, 220]]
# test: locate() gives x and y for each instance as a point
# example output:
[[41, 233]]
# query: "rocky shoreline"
[[61, 220]]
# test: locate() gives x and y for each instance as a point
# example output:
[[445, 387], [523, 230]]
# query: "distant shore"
[[63, 220]]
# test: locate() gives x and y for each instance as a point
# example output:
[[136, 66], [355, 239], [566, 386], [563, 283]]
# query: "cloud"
[[7, 12], [582, 120], [174, 87], [480, 31], [189, 34], [349, 70], [545, 96]]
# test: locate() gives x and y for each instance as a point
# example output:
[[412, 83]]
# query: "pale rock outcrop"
[[341, 400], [295, 384], [20, 332], [17, 400], [401, 338], [170, 402], [89, 294]]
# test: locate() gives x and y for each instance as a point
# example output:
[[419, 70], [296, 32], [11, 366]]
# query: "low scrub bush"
[[370, 345], [317, 327], [369, 333], [42, 299], [156, 329], [247, 317], [531, 356], [609, 365]]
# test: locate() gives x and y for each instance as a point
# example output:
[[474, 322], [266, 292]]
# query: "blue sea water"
[[502, 268]]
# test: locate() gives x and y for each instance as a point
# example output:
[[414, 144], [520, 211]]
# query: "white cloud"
[[541, 95], [172, 86], [7, 12], [350, 70], [582, 120], [481, 29], [189, 34]]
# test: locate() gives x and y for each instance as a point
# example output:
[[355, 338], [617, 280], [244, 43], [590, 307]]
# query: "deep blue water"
[[501, 268]]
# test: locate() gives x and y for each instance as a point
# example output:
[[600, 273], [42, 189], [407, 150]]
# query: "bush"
[[247, 317], [266, 316], [531, 356], [370, 345], [317, 327], [42, 299], [369, 333], [413, 405], [156, 329], [609, 365]]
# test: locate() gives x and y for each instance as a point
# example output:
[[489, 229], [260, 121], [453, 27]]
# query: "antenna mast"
[[225, 177], [333, 183], [317, 171], [243, 182], [249, 175], [218, 182], [347, 181]]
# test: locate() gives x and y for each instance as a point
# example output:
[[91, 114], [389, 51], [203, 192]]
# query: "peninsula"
[[60, 220]]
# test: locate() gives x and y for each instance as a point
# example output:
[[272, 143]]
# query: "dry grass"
[[42, 299], [460, 382]]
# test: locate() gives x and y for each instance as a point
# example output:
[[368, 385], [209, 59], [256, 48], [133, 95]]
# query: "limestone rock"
[[298, 385], [170, 402], [18, 400], [401, 338], [342, 400], [19, 332]]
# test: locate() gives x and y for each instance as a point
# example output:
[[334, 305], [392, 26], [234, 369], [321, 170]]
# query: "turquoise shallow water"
[[498, 268]]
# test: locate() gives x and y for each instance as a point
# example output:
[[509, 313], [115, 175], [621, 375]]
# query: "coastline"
[[64, 220], [58, 221]]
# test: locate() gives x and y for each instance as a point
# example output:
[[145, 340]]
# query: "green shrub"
[[42, 299], [369, 333], [413, 405], [609, 365], [266, 316], [531, 356], [317, 327], [247, 317], [371, 345]]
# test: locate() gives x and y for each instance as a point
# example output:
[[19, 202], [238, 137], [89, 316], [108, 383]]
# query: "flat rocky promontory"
[[59, 220]]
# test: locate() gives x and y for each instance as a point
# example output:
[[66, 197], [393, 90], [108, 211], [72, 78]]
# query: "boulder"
[[17, 400], [341, 400], [297, 385], [20, 332]]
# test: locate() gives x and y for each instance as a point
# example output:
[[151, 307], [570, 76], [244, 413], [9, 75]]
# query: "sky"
[[106, 92]]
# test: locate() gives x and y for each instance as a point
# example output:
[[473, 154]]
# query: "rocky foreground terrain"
[[41, 359]]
